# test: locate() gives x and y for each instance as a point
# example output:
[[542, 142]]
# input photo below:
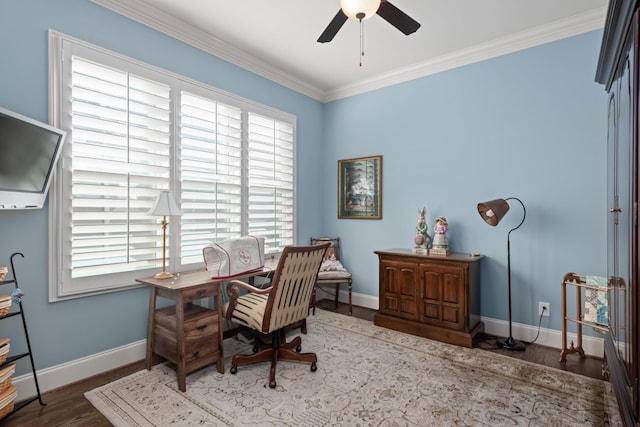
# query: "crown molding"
[[171, 26], [578, 24], [140, 11]]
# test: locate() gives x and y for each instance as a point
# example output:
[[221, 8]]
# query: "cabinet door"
[[442, 296], [621, 223], [398, 289]]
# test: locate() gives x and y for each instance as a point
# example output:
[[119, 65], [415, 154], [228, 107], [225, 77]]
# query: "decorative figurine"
[[17, 295], [421, 238], [440, 242]]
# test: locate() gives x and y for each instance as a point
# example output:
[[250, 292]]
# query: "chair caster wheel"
[[272, 384], [314, 367], [234, 369]]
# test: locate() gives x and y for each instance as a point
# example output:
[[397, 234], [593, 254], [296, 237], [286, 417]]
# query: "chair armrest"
[[233, 291]]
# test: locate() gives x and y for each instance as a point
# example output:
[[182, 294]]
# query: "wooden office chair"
[[332, 273], [284, 303]]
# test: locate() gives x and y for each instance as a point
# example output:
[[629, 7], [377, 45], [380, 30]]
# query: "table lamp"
[[164, 206], [492, 212]]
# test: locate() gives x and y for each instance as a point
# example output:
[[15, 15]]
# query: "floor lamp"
[[165, 206], [492, 212]]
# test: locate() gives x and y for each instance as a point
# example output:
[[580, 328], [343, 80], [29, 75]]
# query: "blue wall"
[[65, 331], [529, 124]]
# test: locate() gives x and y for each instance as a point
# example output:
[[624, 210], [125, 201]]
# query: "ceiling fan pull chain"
[[361, 41]]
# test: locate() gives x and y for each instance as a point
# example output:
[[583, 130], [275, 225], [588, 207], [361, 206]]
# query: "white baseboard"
[[361, 300], [592, 345], [79, 369]]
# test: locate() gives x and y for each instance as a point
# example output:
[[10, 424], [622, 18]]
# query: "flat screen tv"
[[29, 151]]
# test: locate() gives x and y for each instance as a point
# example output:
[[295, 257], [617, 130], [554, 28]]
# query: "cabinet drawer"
[[194, 317], [194, 346], [199, 293], [201, 327], [200, 331]]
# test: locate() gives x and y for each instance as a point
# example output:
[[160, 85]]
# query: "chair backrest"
[[333, 241], [292, 286]]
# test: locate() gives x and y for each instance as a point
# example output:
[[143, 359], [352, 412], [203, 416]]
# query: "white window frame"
[[61, 49]]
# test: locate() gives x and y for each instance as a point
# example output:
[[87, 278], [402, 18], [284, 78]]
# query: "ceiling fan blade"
[[334, 26], [397, 18]]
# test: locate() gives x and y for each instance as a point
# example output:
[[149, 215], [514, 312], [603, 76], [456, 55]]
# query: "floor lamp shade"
[[492, 212], [164, 206]]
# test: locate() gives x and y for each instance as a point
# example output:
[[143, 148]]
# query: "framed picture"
[[360, 188]]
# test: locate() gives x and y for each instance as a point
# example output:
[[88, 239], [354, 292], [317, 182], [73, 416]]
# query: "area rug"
[[367, 376]]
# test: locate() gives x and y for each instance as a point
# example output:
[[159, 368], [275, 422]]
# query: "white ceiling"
[[277, 38]]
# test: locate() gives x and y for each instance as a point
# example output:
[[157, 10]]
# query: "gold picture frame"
[[360, 188]]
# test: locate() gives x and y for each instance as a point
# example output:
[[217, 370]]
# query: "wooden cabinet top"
[[410, 255]]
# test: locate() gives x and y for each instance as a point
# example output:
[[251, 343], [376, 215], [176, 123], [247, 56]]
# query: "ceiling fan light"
[[353, 8]]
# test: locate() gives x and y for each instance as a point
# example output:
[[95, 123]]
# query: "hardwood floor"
[[67, 406]]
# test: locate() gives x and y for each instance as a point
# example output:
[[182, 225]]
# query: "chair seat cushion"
[[249, 311], [332, 264], [334, 275]]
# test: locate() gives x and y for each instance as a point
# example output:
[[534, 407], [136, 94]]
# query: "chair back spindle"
[[293, 283]]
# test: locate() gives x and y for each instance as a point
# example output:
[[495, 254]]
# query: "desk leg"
[[151, 328], [217, 303], [182, 363]]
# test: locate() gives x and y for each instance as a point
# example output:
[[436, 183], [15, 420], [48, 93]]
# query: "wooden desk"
[[187, 334]]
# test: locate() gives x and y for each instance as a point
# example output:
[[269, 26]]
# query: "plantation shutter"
[[134, 130], [270, 181], [211, 174], [121, 158]]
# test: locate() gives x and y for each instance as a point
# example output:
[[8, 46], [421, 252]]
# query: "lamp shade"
[[359, 9], [493, 211], [165, 206]]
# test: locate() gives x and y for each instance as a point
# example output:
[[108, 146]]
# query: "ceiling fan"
[[360, 10]]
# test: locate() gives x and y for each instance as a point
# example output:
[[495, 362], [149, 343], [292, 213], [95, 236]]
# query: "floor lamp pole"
[[510, 343]]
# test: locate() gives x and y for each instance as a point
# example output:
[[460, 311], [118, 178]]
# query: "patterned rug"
[[367, 376]]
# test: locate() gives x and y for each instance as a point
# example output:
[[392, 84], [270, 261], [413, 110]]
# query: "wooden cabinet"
[[618, 71], [435, 297]]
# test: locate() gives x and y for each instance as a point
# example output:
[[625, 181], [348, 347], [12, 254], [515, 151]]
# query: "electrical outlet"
[[544, 308]]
